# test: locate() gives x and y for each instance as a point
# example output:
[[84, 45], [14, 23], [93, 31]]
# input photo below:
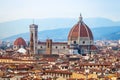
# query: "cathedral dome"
[[20, 42], [80, 38], [80, 30]]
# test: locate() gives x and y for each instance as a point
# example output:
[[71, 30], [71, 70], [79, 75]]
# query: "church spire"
[[80, 18]]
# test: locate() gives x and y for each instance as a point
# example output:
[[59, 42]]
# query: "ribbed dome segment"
[[20, 42]]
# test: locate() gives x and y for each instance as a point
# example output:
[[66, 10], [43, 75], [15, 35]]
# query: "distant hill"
[[101, 33], [114, 36], [105, 33], [11, 28]]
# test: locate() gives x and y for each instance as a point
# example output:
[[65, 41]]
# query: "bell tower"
[[33, 38]]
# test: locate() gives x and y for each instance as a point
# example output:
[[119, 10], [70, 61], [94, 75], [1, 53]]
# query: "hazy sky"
[[38, 9], [20, 9]]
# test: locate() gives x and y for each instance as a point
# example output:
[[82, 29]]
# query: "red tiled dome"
[[20, 41], [80, 30]]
